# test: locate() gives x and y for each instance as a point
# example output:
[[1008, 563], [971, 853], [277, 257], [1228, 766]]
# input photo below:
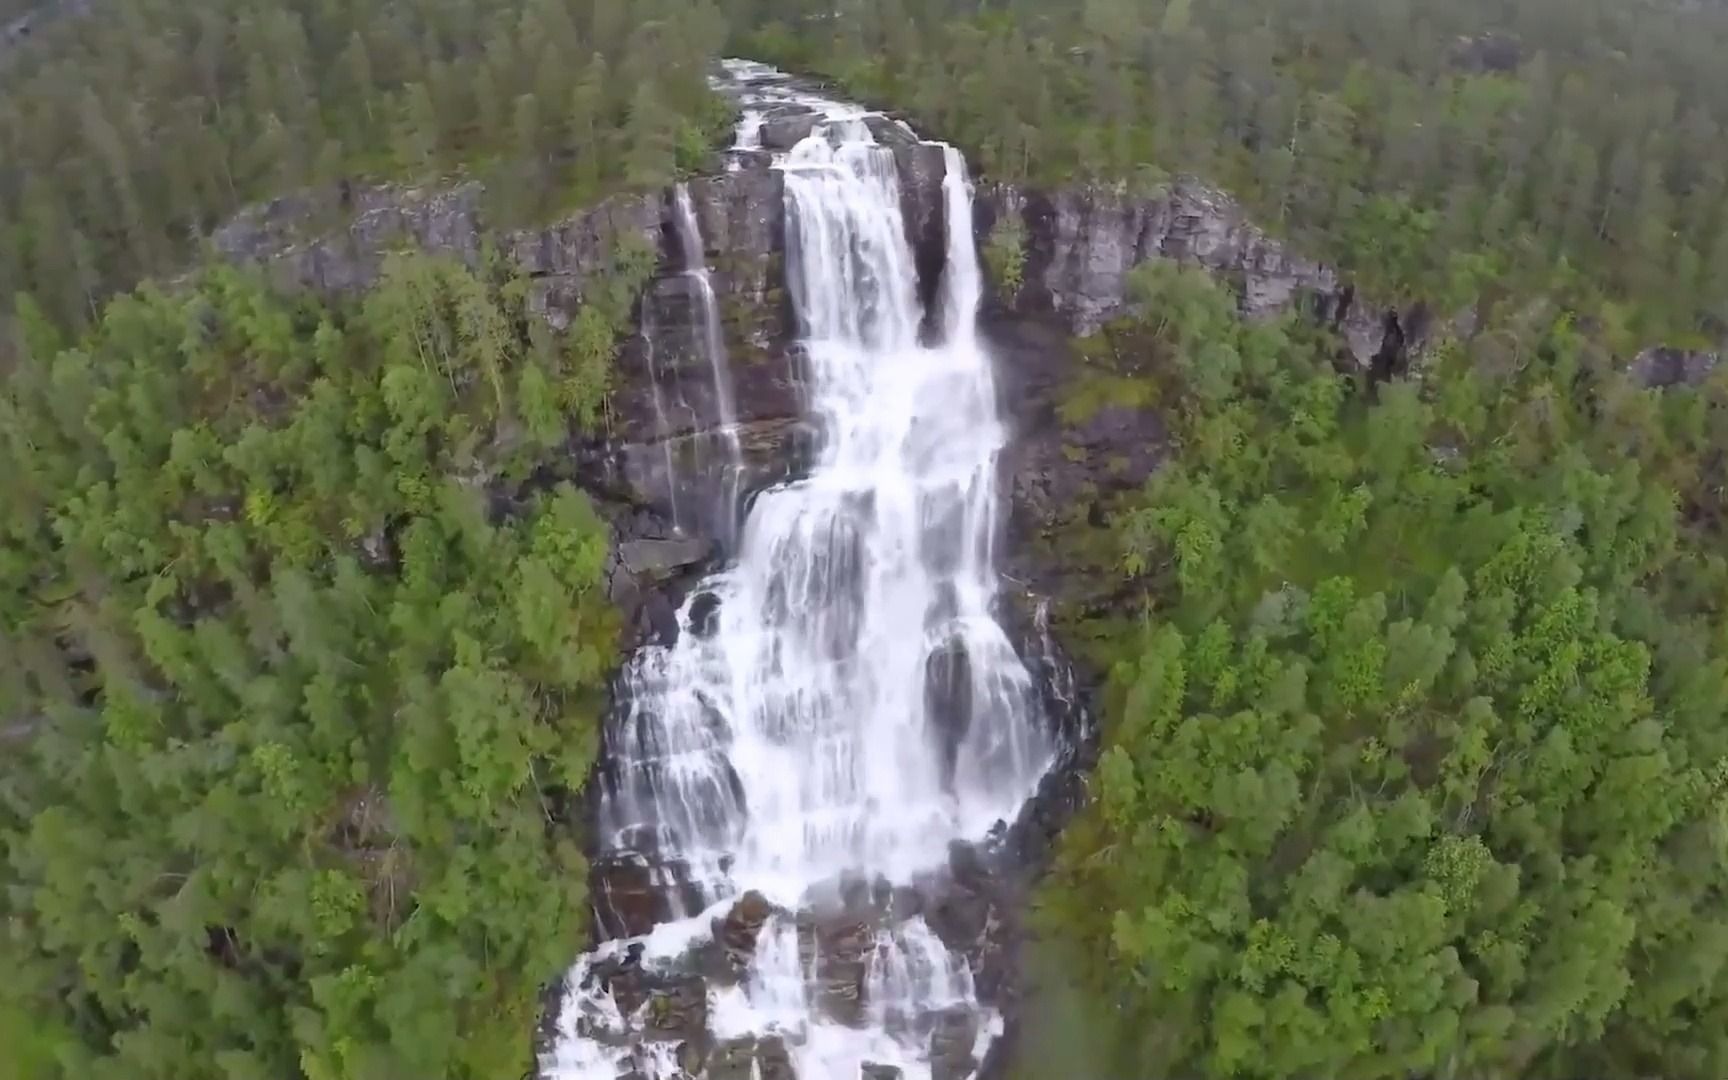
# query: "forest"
[[1571, 149], [1416, 767], [125, 139], [1415, 761], [306, 710]]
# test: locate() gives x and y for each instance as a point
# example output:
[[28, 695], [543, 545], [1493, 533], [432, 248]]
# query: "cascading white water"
[[841, 703], [713, 345], [662, 423]]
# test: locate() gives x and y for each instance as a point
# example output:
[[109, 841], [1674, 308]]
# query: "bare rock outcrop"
[[1082, 242]]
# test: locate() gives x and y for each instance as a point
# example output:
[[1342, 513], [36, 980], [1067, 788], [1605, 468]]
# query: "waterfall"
[[963, 280], [662, 425], [712, 343], [841, 703]]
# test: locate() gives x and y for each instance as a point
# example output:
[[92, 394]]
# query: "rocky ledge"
[[658, 451], [1081, 243]]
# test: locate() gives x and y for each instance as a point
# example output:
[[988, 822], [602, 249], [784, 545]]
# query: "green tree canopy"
[[298, 677]]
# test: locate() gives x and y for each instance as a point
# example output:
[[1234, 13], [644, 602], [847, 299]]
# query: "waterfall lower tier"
[[788, 779]]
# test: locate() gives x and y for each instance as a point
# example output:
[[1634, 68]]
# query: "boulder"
[[751, 1058], [837, 948], [952, 1045], [738, 931], [787, 126], [733, 1059], [889, 132], [948, 701], [705, 615], [773, 1062], [678, 1012], [658, 560]]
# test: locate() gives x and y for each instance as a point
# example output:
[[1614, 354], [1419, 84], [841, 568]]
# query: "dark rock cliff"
[[1077, 249], [1082, 242], [656, 455]]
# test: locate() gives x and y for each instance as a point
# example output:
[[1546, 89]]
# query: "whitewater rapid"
[[840, 704]]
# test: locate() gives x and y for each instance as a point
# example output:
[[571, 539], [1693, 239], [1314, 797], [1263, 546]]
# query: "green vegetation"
[[1005, 255], [299, 678], [1417, 766], [1567, 148], [128, 134]]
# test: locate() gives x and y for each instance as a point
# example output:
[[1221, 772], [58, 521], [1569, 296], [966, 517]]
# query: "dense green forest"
[[128, 135], [1418, 764], [1414, 760], [1572, 148], [307, 673]]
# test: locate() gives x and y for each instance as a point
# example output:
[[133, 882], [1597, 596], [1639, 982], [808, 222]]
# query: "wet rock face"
[[665, 380], [632, 894], [691, 476], [667, 447], [951, 1046], [837, 948], [749, 1058], [1058, 472], [677, 1012], [648, 562], [922, 167], [926, 215], [661, 560], [738, 932], [948, 701]]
